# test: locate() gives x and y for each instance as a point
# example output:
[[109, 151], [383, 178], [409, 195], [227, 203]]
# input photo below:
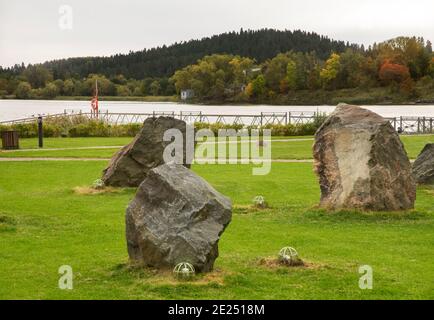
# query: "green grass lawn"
[[32, 143], [296, 148], [44, 224], [86, 153]]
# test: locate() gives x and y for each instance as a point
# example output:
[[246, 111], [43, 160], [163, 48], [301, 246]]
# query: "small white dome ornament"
[[289, 256], [98, 184], [259, 202], [184, 270]]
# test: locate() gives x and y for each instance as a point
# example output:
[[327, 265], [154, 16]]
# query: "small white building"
[[187, 94]]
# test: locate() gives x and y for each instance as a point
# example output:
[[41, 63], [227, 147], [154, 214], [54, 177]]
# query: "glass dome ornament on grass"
[[259, 202], [98, 184], [184, 270], [289, 256]]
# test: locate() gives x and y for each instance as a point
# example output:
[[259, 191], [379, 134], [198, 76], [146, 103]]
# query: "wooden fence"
[[405, 125]]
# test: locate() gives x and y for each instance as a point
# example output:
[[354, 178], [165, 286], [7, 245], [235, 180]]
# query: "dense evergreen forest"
[[263, 66]]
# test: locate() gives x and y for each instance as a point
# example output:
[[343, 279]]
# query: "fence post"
[[261, 119], [418, 124], [40, 132], [430, 125]]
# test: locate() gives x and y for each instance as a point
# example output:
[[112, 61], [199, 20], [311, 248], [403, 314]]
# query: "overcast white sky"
[[30, 32]]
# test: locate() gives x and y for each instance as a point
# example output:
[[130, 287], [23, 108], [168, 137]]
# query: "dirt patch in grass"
[[215, 277], [274, 263], [166, 277], [247, 209], [93, 191]]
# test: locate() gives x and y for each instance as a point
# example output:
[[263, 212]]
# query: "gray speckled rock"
[[423, 167], [176, 216], [361, 163], [128, 167]]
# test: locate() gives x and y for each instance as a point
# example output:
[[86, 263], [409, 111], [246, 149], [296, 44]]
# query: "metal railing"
[[405, 125]]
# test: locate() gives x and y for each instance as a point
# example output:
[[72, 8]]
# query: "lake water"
[[15, 109]]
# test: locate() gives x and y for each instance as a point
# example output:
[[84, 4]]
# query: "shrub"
[[25, 130], [215, 127], [80, 126], [91, 129]]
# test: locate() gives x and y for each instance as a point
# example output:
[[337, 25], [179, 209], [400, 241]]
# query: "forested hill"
[[164, 61]]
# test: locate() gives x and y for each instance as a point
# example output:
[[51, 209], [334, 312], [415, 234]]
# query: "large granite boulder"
[[423, 167], [128, 167], [176, 216], [361, 163]]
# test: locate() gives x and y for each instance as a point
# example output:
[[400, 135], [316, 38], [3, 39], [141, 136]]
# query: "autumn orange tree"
[[393, 72], [409, 51]]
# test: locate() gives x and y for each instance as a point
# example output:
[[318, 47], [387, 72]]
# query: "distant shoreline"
[[171, 99], [381, 96]]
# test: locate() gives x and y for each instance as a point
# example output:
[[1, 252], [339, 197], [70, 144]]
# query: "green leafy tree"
[[351, 72], [37, 76], [119, 79], [155, 88], [23, 90], [50, 91], [59, 83], [105, 86], [276, 71], [291, 74], [137, 92], [3, 85], [182, 79], [68, 87], [431, 68], [258, 88], [123, 90], [241, 69], [214, 77], [145, 86]]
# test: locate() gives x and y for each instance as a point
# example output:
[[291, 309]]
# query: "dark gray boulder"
[[176, 216], [361, 163], [423, 167], [128, 167]]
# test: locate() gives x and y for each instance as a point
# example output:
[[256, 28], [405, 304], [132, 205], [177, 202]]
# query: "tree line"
[[248, 66], [147, 72], [398, 64]]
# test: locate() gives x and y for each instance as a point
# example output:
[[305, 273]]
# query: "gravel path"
[[24, 159], [118, 147]]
